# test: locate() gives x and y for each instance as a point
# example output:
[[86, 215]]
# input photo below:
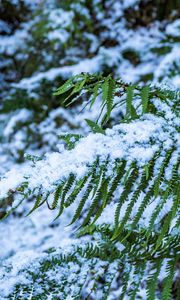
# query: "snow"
[[64, 55], [60, 18], [129, 3], [173, 29], [166, 64], [10, 44], [87, 65], [23, 116], [38, 236], [125, 141]]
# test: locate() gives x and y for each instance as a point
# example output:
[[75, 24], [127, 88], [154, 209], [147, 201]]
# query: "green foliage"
[[86, 261], [145, 250], [94, 126], [70, 139], [108, 89]]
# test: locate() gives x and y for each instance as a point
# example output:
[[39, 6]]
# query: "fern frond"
[[119, 173], [145, 98], [161, 173], [168, 219], [36, 204], [57, 195], [129, 100], [77, 189], [114, 177], [167, 283], [65, 189], [137, 277], [68, 85], [94, 126], [97, 196], [141, 186], [126, 275], [93, 175], [153, 279], [108, 88], [127, 189]]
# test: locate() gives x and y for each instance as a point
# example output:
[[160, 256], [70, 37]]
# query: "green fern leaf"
[[152, 280], [127, 189], [66, 187], [167, 283], [36, 205], [68, 85], [108, 88], [94, 126], [145, 98], [129, 99]]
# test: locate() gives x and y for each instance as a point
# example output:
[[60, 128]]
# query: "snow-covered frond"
[[124, 178]]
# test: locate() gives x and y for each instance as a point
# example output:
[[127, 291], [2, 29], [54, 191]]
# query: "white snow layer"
[[132, 142]]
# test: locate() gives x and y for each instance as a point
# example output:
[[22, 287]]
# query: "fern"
[[167, 283], [127, 189], [36, 204], [115, 176], [65, 189], [68, 85], [57, 196], [70, 139], [94, 126], [108, 94], [152, 279], [145, 98], [139, 269], [129, 101]]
